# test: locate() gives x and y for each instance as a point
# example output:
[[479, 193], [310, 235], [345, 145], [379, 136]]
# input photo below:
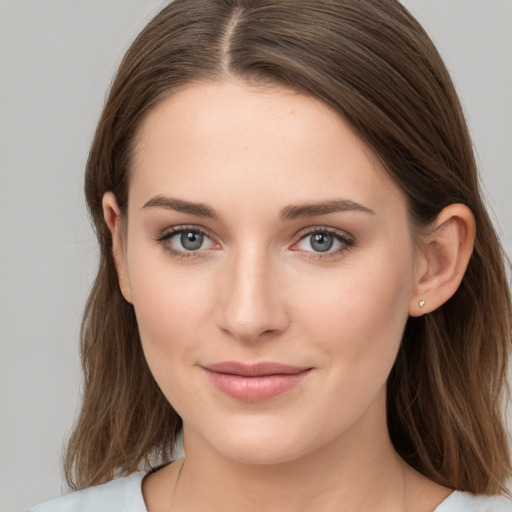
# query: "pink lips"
[[256, 382]]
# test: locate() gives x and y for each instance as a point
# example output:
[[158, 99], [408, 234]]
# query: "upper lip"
[[254, 370]]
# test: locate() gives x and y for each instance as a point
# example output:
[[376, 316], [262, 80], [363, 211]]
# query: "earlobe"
[[112, 216], [445, 256]]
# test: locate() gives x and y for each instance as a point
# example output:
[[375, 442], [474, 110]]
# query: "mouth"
[[254, 382]]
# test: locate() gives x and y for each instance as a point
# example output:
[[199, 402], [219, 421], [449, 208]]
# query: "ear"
[[444, 257], [112, 215]]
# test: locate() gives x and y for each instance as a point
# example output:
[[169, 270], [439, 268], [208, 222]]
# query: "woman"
[[297, 274]]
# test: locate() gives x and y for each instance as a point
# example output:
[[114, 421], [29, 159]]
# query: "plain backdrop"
[[57, 58]]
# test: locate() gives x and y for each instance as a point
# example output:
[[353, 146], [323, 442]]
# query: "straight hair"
[[376, 67]]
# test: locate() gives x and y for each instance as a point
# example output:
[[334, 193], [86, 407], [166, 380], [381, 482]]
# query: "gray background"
[[57, 58]]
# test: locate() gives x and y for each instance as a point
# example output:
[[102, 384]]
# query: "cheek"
[[358, 316], [171, 318], [172, 306], [355, 321]]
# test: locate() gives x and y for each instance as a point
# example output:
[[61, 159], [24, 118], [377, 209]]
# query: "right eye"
[[185, 241]]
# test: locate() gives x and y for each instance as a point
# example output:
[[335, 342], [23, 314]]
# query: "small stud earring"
[[421, 303]]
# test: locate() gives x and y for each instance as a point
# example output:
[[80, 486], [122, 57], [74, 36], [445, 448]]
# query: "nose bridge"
[[251, 305]]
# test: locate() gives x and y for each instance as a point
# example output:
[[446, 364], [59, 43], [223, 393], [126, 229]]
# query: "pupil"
[[321, 242], [191, 240]]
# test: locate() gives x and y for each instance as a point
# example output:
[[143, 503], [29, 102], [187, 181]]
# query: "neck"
[[295, 486], [357, 471]]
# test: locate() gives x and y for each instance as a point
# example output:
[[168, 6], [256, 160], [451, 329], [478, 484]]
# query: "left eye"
[[322, 241]]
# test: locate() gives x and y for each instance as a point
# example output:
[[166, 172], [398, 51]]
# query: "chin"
[[261, 454], [267, 446]]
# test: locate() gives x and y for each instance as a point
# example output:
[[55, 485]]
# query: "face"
[[270, 263]]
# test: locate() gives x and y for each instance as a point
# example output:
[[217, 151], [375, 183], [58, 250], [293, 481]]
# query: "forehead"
[[219, 140]]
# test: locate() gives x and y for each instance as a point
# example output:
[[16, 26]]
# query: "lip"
[[254, 382]]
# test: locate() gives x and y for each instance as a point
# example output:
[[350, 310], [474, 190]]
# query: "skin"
[[257, 290]]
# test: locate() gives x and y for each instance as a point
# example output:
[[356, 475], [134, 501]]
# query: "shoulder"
[[122, 494], [465, 502]]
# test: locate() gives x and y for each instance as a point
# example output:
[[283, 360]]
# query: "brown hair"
[[374, 64]]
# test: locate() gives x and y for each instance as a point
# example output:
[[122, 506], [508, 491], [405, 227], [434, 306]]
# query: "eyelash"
[[167, 235], [346, 241]]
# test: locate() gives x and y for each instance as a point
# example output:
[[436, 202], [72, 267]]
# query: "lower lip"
[[255, 389]]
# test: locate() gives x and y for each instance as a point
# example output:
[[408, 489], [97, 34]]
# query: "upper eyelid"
[[323, 229], [298, 236], [167, 233]]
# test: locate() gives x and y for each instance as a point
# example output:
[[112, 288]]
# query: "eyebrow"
[[322, 208], [179, 205], [287, 213]]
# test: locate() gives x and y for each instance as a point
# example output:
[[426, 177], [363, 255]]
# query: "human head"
[[373, 64]]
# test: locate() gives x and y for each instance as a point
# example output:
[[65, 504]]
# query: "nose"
[[251, 305]]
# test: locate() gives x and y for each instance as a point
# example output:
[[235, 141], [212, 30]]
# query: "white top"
[[125, 494]]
